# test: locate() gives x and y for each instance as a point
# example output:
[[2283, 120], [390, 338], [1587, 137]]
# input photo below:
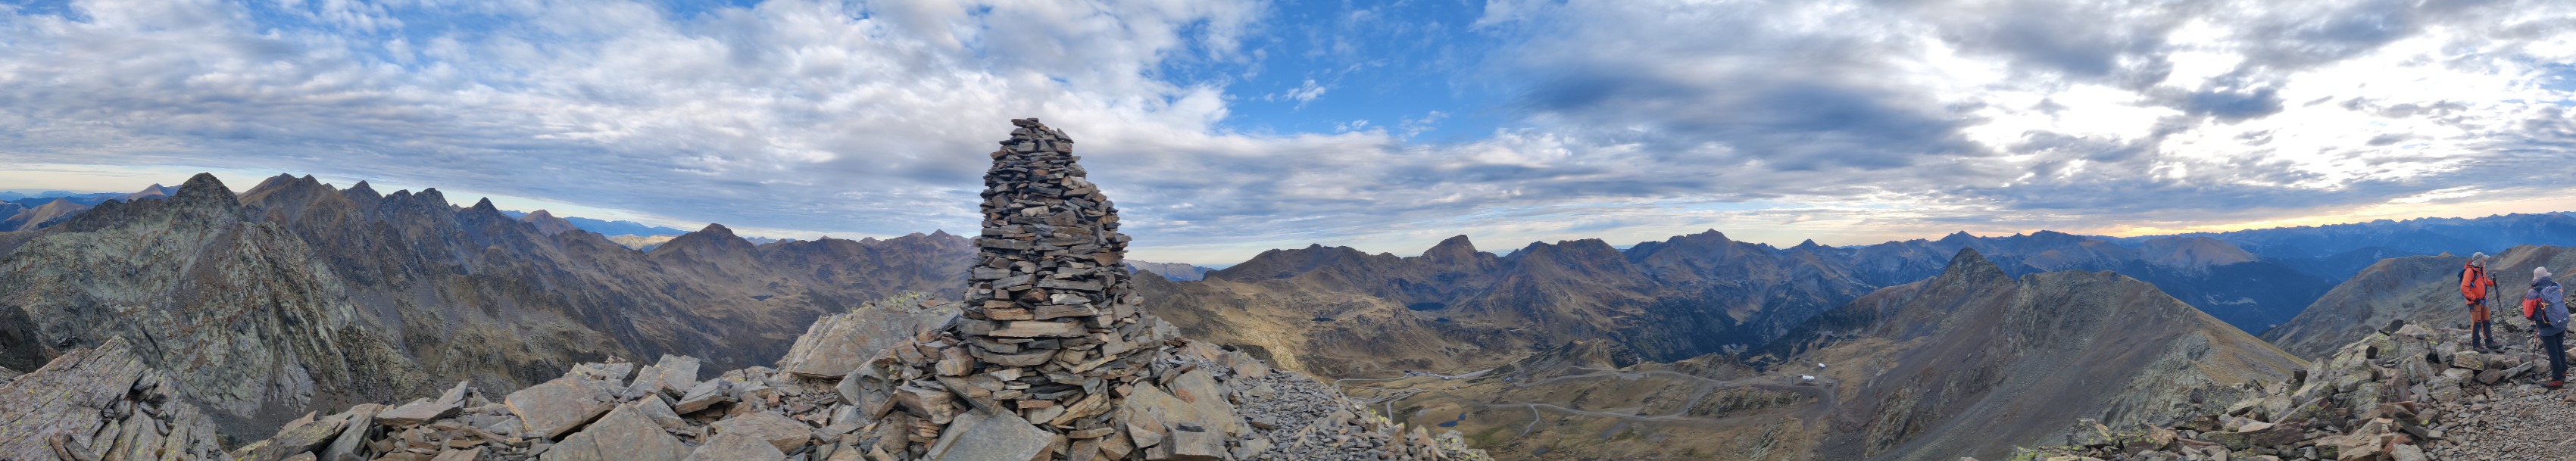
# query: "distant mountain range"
[[91, 199], [1971, 362], [25, 212], [1176, 272], [608, 228]]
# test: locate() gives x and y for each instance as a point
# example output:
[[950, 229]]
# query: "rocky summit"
[[2405, 393], [1050, 357]]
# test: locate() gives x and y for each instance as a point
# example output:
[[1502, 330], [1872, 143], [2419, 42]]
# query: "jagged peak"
[[431, 195], [204, 186], [716, 229], [1453, 246], [934, 233], [485, 205], [362, 189], [1971, 263]]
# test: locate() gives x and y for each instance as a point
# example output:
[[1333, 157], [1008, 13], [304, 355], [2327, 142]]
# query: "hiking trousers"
[[2556, 348]]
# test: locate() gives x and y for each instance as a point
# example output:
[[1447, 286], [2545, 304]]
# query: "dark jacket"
[[2552, 306]]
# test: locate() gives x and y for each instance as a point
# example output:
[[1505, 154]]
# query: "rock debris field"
[[2405, 393]]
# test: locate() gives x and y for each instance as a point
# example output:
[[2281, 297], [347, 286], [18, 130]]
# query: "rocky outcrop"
[[102, 404], [2406, 392], [1973, 362], [2423, 290], [1223, 405]]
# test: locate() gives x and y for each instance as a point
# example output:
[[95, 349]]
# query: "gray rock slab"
[[736, 447], [785, 434], [558, 406], [986, 436]]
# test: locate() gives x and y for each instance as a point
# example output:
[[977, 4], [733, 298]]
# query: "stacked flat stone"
[[1051, 340]]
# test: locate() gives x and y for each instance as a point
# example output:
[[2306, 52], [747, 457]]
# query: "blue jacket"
[[2551, 306]]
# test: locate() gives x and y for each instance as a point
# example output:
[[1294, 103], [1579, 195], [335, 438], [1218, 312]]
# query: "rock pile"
[[101, 404], [1051, 339], [2407, 393]]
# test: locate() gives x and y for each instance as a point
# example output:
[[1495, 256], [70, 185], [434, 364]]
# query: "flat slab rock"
[[416, 413], [626, 434], [1206, 407], [839, 343], [983, 436], [556, 407], [785, 434], [737, 447]]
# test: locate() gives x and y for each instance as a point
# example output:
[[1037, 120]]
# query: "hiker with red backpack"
[[2475, 282], [2545, 305]]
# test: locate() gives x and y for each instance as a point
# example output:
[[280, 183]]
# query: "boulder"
[[613, 373], [2259, 435], [785, 434], [1206, 408], [992, 436], [738, 447], [839, 343], [294, 439], [418, 412], [361, 427], [626, 434], [1190, 442], [699, 397], [470, 454], [653, 409], [674, 374], [556, 407]]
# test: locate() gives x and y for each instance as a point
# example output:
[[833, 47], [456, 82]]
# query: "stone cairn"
[[1051, 333]]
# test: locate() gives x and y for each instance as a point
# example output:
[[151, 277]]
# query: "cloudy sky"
[[1225, 127]]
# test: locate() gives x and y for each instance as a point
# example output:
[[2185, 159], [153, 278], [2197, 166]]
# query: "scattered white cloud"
[[1842, 120]]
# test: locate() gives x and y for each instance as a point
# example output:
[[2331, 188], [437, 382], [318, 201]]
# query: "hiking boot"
[[2492, 345], [2553, 384]]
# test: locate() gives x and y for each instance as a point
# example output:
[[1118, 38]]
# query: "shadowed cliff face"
[[295, 296]]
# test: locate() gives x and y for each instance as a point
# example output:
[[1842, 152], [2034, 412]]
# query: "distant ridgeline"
[[1704, 293]]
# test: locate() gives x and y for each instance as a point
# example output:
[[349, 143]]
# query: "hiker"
[[2552, 317], [2475, 282]]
